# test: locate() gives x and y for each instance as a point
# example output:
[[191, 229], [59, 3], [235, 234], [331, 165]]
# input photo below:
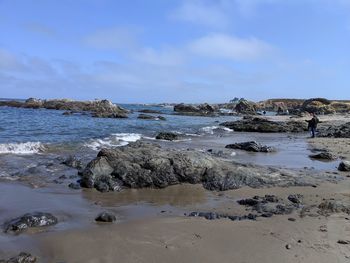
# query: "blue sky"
[[174, 50]]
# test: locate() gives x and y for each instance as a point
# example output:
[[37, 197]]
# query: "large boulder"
[[36, 219], [139, 165], [246, 107], [252, 146], [318, 106], [22, 257], [325, 156], [257, 124]]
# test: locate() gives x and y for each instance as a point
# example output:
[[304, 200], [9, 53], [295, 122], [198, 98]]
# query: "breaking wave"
[[21, 148], [115, 140], [212, 129]]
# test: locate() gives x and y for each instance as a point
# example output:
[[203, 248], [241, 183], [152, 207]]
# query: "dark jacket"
[[313, 122]]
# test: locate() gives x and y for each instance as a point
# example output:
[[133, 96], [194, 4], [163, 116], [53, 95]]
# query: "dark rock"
[[323, 156], [73, 162], [169, 136], [288, 246], [140, 165], [296, 199], [246, 107], [106, 217], [67, 113], [22, 257], [343, 242], [344, 166], [150, 111], [97, 108], [258, 124], [75, 186], [36, 219], [340, 131], [197, 110], [151, 117], [252, 146], [292, 219], [268, 205]]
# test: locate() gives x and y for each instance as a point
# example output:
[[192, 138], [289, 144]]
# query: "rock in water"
[[73, 162], [344, 166], [169, 136], [197, 110], [257, 124], [22, 257], [252, 146], [105, 217], [323, 156], [36, 219], [140, 165], [296, 199]]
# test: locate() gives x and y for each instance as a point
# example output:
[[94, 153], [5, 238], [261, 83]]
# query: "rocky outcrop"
[[257, 124], [139, 165], [168, 136], [150, 117], [22, 257], [97, 108], [252, 146], [344, 166], [36, 219], [246, 107], [341, 131], [318, 106], [197, 110]]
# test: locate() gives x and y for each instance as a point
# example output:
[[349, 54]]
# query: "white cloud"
[[221, 46], [162, 57], [110, 38], [202, 13]]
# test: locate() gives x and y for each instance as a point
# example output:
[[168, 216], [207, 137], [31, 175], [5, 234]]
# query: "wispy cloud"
[[110, 38], [222, 46], [161, 57], [202, 12]]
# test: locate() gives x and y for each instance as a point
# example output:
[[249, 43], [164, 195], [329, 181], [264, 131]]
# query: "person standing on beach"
[[313, 124]]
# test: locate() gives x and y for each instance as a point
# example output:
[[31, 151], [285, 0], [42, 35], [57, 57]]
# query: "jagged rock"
[[200, 110], [22, 257], [168, 136], [140, 164], [106, 217], [252, 146], [323, 156], [296, 199], [246, 107], [256, 124], [318, 106], [341, 131], [268, 205], [36, 219], [344, 166], [73, 162]]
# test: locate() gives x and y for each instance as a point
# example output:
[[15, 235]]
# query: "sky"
[[152, 51]]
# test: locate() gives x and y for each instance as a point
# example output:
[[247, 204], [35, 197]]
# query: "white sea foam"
[[115, 140], [21, 148], [212, 129]]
